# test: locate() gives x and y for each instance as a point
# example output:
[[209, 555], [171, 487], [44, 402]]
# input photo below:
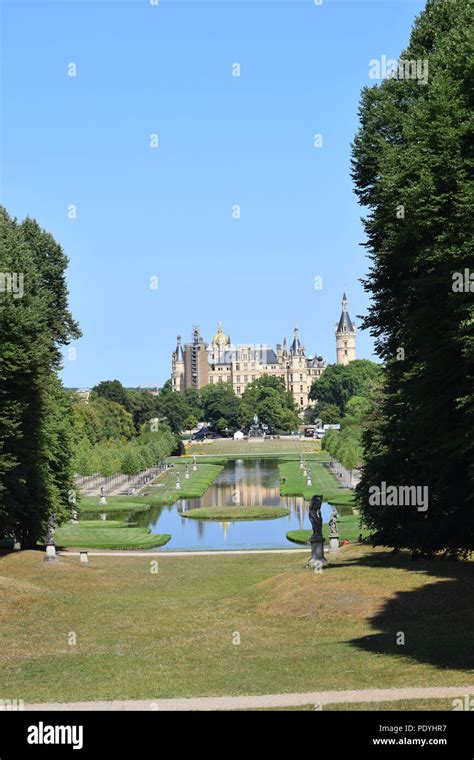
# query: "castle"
[[198, 363]]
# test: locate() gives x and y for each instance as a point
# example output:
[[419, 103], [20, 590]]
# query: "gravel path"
[[316, 698]]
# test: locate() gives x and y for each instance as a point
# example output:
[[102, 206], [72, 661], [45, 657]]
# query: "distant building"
[[345, 336], [84, 394], [198, 363]]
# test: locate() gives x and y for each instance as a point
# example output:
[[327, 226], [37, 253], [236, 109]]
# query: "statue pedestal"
[[334, 542], [50, 554], [318, 560]]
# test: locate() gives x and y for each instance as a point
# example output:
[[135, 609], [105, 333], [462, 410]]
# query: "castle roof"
[[296, 345], [219, 338], [179, 351], [345, 322]]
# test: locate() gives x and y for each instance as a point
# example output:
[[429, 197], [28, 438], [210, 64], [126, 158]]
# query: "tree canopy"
[[339, 383], [36, 420], [412, 168]]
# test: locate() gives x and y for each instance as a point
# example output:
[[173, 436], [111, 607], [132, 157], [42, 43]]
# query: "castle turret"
[[177, 367], [345, 336]]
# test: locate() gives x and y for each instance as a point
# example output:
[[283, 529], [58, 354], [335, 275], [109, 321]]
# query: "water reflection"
[[241, 483]]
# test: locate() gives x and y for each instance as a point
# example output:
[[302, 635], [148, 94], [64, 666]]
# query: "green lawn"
[[107, 534], [398, 704], [229, 447], [348, 525], [293, 483], [236, 513], [146, 635], [114, 504], [163, 489]]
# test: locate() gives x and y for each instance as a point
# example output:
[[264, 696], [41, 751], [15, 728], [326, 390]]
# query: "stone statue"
[[318, 560], [50, 541], [315, 516], [333, 522]]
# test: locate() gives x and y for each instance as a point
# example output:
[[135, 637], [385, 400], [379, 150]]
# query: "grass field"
[[114, 504], [237, 513], [110, 534], [398, 704], [277, 446], [293, 483], [348, 525], [144, 635], [198, 482]]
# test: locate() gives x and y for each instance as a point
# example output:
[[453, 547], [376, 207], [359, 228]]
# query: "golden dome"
[[219, 338]]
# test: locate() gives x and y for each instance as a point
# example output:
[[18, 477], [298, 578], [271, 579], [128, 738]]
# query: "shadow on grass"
[[436, 620]]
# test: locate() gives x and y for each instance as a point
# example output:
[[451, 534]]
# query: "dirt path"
[[316, 698]]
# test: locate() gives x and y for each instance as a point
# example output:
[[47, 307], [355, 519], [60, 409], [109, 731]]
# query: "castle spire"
[[179, 350], [345, 335], [296, 345]]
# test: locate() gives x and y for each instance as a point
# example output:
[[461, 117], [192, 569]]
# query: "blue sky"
[[166, 212]]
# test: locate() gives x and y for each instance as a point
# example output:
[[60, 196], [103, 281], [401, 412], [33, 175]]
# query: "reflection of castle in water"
[[245, 485]]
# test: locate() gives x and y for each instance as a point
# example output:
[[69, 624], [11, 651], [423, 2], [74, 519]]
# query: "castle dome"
[[219, 338]]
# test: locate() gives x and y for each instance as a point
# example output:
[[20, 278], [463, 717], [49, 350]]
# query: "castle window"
[[238, 390], [238, 378], [253, 377], [237, 367], [301, 377], [246, 378], [301, 401], [301, 389]]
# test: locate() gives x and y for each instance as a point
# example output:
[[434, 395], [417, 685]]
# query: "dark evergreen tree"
[[412, 164]]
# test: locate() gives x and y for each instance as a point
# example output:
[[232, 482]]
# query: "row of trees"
[[109, 457], [117, 412], [346, 444], [218, 405]]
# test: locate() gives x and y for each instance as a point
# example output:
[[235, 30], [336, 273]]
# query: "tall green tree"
[[412, 168], [113, 390], [268, 398], [339, 382], [36, 418], [220, 404]]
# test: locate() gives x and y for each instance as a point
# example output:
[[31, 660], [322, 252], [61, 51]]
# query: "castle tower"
[[345, 336], [219, 344], [177, 367]]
